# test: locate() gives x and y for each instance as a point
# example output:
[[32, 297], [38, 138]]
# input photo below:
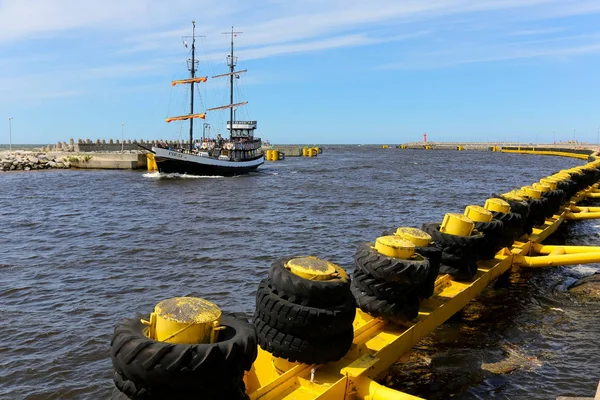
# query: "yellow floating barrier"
[[151, 162], [378, 344]]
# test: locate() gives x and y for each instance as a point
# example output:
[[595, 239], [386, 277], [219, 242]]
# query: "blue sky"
[[377, 71]]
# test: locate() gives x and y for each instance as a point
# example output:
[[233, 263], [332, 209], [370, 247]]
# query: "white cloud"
[[536, 32], [143, 37]]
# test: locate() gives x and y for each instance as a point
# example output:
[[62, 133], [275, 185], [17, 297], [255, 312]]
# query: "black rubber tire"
[[382, 289], [399, 313], [414, 271], [513, 227], [461, 271], [462, 267], [317, 350], [509, 220], [302, 321], [567, 186], [493, 231], [150, 363], [308, 292], [431, 253], [555, 200], [434, 255], [233, 389], [444, 240], [517, 207], [537, 211]]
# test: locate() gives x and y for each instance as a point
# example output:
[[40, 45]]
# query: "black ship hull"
[[168, 161]]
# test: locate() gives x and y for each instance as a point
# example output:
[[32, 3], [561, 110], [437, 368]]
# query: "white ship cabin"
[[241, 146]]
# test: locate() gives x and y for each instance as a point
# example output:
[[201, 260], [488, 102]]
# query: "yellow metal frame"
[[378, 344], [548, 153]]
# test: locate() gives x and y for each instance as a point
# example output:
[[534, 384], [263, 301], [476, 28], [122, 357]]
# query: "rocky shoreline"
[[32, 160]]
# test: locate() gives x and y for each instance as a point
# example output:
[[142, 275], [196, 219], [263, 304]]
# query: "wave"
[[160, 175]]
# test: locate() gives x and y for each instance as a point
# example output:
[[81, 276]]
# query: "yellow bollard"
[[394, 246], [184, 320], [414, 235], [542, 187], [531, 192], [551, 182], [304, 152], [457, 224], [514, 195], [478, 214], [497, 205], [314, 268], [151, 162], [274, 155]]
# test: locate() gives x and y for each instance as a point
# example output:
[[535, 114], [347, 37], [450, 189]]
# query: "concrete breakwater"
[[104, 146], [35, 160], [494, 146]]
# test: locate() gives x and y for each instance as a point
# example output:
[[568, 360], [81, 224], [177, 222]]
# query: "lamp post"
[[204, 126], [10, 134], [122, 144]]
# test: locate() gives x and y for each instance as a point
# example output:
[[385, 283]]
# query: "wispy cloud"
[[536, 32], [115, 38]]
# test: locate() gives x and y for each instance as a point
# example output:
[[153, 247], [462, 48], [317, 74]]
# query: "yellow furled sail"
[[184, 117], [182, 81]]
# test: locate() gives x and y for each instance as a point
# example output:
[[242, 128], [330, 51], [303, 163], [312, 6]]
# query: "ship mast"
[[193, 74], [232, 64], [192, 67]]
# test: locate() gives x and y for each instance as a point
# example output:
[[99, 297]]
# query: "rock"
[[51, 164], [60, 165], [67, 164], [27, 168], [33, 160], [588, 286]]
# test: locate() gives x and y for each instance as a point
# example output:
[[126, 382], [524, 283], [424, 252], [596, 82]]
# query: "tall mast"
[[231, 70], [232, 63], [193, 72]]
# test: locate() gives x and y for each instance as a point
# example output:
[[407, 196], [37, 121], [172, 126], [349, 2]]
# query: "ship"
[[240, 154]]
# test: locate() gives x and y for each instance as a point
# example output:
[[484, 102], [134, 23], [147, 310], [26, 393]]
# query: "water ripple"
[[110, 244]]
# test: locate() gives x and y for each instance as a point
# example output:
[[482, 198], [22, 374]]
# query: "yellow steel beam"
[[548, 153], [557, 260], [577, 209], [542, 249], [369, 389]]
